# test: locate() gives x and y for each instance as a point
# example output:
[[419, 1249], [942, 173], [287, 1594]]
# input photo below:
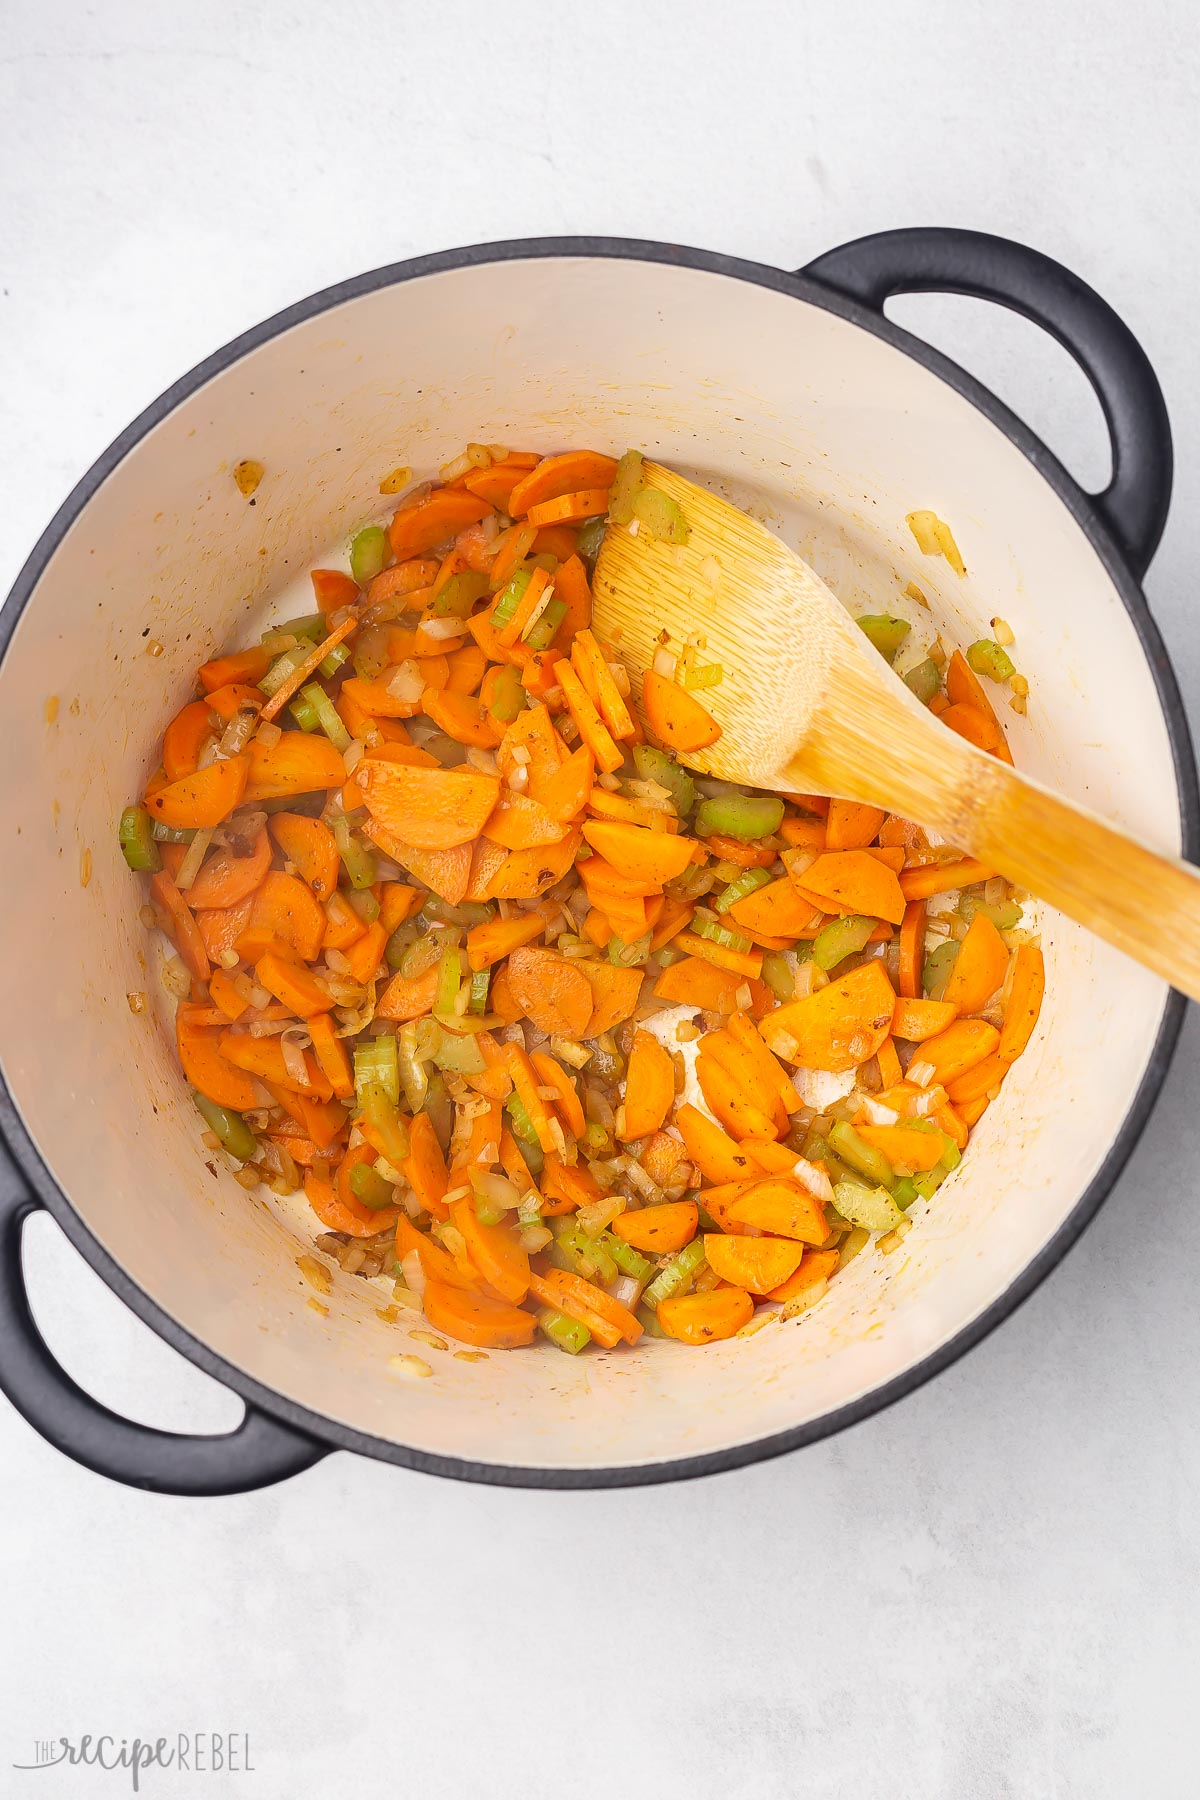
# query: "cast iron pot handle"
[[936, 259], [259, 1452]]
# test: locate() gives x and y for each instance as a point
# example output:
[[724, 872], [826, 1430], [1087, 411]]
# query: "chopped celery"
[[872, 1208], [627, 1259], [419, 956], [778, 974], [904, 1192], [986, 657], [659, 517], [510, 597], [136, 836], [481, 980], [591, 537], [840, 939], [508, 694], [329, 665], [721, 934], [523, 1131], [701, 675], [860, 1156], [648, 1319], [678, 1275], [629, 956], [470, 912], [384, 1117], [312, 626], [924, 679], [448, 982], [951, 1155], [564, 1333], [172, 834], [282, 668], [304, 712], [1006, 915], [627, 484], [365, 904], [938, 965], [368, 553], [357, 860], [655, 765], [587, 1255], [328, 717], [885, 632], [748, 882], [928, 1183], [376, 1066], [743, 816], [540, 636], [456, 597], [457, 1055], [370, 1187], [235, 1135]]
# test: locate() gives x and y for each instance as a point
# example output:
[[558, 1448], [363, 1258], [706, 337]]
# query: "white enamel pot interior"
[[782, 399]]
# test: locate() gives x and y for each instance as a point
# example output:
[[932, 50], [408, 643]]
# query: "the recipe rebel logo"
[[188, 1753]]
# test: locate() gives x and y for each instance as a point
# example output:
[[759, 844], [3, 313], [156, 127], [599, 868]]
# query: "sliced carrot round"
[[659, 1230], [569, 473], [185, 737], [706, 1318], [473, 1319], [570, 509], [226, 879], [495, 1250]]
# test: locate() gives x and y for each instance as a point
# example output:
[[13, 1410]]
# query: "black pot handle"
[[936, 259], [259, 1452]]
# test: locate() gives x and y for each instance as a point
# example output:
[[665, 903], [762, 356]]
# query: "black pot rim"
[[330, 1431]]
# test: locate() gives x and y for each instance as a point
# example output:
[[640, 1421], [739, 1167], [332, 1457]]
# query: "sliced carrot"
[[225, 996], [606, 1318], [525, 1081], [310, 846], [706, 1318], [838, 1027], [565, 793], [343, 926], [804, 834], [226, 879], [572, 472], [495, 484], [487, 859], [693, 982], [264, 1057], [979, 968], [940, 878], [979, 1081], [366, 953], [854, 881], [551, 991], [299, 763], [1024, 1002], [462, 717], [397, 902], [784, 1209], [739, 962], [432, 809], [512, 547], [772, 1078], [740, 1117], [514, 1165], [244, 665], [436, 1262], [473, 1319], [185, 737], [566, 1101], [904, 1147], [425, 1168], [292, 985], [571, 587], [414, 530], [375, 701], [659, 1230], [529, 742], [603, 883], [661, 1156], [590, 665], [570, 509], [652, 857], [300, 674], [815, 1266], [614, 996], [220, 928], [849, 825], [401, 579], [719, 1157], [204, 798], [958, 1048], [519, 823], [963, 688], [332, 589], [771, 1157], [206, 1069], [592, 728], [675, 917], [235, 697], [971, 1111], [559, 541], [487, 943], [494, 1250], [676, 717], [912, 948], [978, 729], [746, 856], [421, 645], [514, 630], [447, 872], [755, 1263], [284, 906], [466, 670], [566, 1186], [744, 1071], [776, 909], [890, 1071], [330, 1051], [184, 932], [408, 997], [915, 1020], [649, 1087]]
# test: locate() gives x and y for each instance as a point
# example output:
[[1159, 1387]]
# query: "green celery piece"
[[329, 665], [235, 1135], [448, 982], [420, 955], [182, 834], [938, 965], [648, 1319], [311, 626], [885, 632], [627, 484], [721, 934], [987, 657], [872, 1208], [840, 939], [743, 816], [591, 536], [365, 904], [304, 712], [386, 1121], [369, 1186], [777, 973], [541, 635], [328, 717], [357, 860], [509, 597], [523, 1131], [925, 680], [508, 694], [904, 1192], [660, 517], [1005, 915], [678, 1275], [458, 595], [627, 1259], [282, 668], [459, 1055], [629, 956], [369, 552], [136, 836], [480, 983], [747, 883], [860, 1156], [653, 764], [376, 1065], [564, 1332]]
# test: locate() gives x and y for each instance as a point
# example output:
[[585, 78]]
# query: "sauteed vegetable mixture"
[[553, 1035]]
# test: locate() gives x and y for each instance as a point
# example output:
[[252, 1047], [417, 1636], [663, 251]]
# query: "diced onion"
[[197, 850], [293, 1056], [442, 628], [406, 682], [664, 661], [236, 734], [877, 1113], [626, 1290], [353, 755], [458, 465], [268, 734], [921, 1073], [814, 1178], [175, 977]]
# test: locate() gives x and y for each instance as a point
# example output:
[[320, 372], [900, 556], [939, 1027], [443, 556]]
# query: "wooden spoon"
[[807, 705]]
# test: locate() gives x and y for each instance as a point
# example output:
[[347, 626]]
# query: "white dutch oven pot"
[[788, 391]]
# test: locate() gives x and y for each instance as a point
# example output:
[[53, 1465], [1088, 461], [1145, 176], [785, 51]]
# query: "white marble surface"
[[990, 1590]]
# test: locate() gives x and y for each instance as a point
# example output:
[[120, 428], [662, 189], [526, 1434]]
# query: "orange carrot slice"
[[706, 1318]]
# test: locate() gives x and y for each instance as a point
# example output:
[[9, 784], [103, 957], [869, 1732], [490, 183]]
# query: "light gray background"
[[990, 1590]]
